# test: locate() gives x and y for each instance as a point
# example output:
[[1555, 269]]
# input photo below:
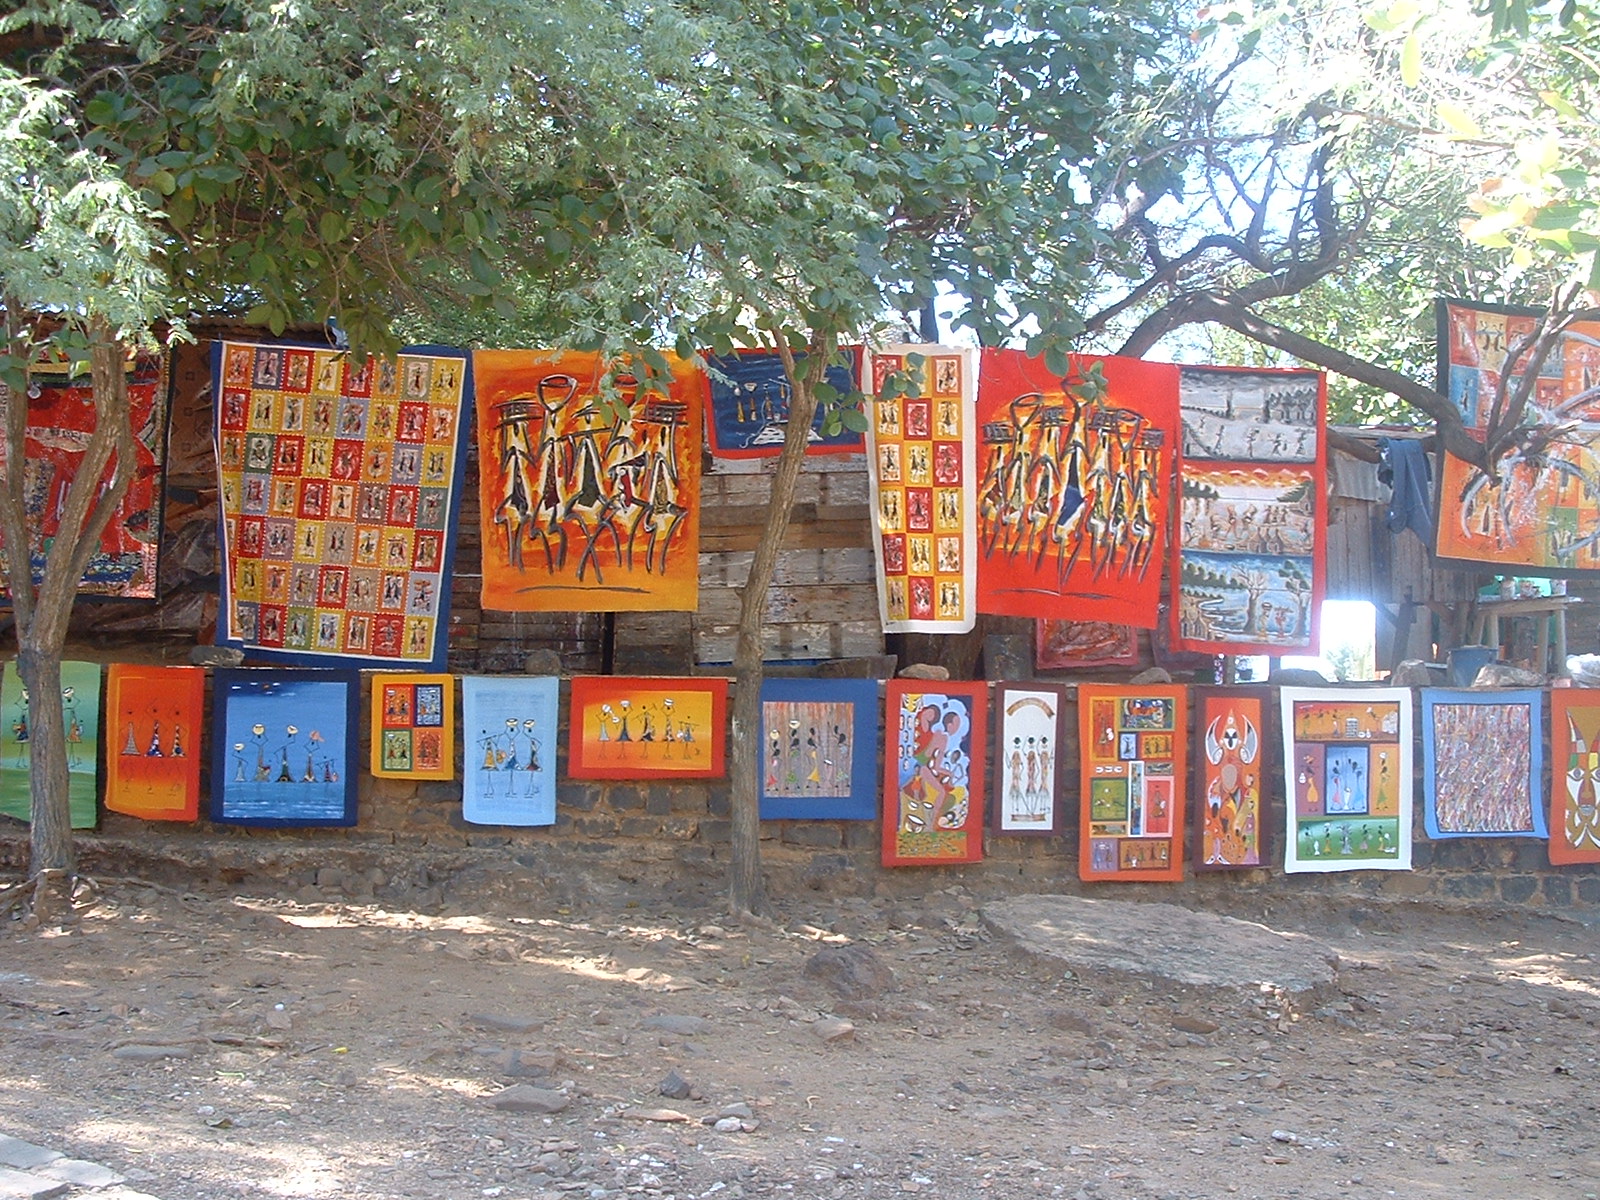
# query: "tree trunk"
[[50, 834], [746, 890]]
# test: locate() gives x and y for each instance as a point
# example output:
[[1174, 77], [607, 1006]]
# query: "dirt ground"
[[254, 1045]]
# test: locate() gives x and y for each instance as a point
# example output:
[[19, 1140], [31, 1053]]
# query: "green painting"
[[80, 718]]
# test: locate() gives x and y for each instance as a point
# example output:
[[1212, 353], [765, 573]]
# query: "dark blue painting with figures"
[[748, 408], [284, 747]]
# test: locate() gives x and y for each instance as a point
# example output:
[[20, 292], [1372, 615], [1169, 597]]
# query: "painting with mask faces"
[[1482, 763], [1574, 776], [1230, 737]]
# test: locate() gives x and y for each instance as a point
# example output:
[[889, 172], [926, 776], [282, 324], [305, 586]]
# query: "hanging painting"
[[339, 489], [413, 726], [1347, 763], [80, 722], [61, 417], [1251, 539], [1574, 776], [819, 741], [920, 452], [153, 716], [283, 747], [1131, 751], [747, 406], [589, 483], [1231, 740], [1066, 645], [1482, 763], [622, 727], [933, 773], [1540, 514], [509, 760], [1029, 733], [1072, 490]]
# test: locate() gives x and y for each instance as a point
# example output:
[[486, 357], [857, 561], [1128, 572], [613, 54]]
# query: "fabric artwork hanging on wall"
[[933, 772], [61, 418], [1347, 761], [1066, 645], [1482, 763], [413, 726], [80, 722], [1029, 733], [1072, 493], [920, 456], [339, 490], [509, 773], [819, 741], [153, 716], [1250, 545], [1543, 516], [747, 406], [589, 484], [625, 727], [1574, 776], [1231, 739], [1132, 755], [283, 750]]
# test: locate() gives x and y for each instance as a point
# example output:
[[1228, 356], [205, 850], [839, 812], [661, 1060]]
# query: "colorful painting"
[[589, 483], [1072, 493], [339, 489], [1482, 763], [1347, 761], [413, 726], [820, 747], [1251, 536], [283, 749], [933, 773], [1231, 739], [1065, 645], [509, 773], [80, 720], [1029, 733], [1540, 513], [622, 727], [61, 418], [1131, 749], [747, 407], [153, 750], [1574, 776], [921, 457]]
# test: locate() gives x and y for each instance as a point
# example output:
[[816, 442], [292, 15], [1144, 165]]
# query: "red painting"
[[1574, 776], [152, 740], [624, 727], [1064, 645], [1231, 740], [935, 756], [1072, 491], [1132, 759]]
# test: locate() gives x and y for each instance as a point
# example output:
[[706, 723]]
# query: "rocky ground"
[[254, 1045]]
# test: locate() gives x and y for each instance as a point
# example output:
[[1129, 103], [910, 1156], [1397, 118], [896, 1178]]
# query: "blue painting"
[[749, 405], [819, 741], [284, 747], [1345, 781], [508, 737], [1483, 765]]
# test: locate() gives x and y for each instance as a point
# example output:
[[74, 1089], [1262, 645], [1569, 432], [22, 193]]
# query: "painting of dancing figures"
[[1028, 737], [509, 770], [933, 793]]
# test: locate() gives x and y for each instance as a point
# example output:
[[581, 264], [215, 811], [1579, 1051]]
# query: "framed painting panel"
[[631, 727], [1068, 645], [1483, 763], [153, 750], [747, 406], [283, 747], [1029, 735], [80, 722], [413, 726], [933, 772], [589, 484], [1231, 737], [1131, 751], [509, 777], [819, 741], [1347, 765], [1574, 776]]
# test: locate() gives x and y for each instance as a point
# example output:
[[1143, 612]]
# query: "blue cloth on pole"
[[1405, 469]]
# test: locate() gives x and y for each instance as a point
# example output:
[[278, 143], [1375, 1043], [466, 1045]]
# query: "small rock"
[[1498, 674], [330, 877], [525, 1098], [834, 1029], [1151, 675], [216, 656], [737, 1109], [542, 662], [854, 973], [683, 1026], [728, 1125], [713, 931], [924, 671], [1071, 1022], [1189, 1024], [674, 1087], [1287, 1136], [1413, 672], [138, 1052], [509, 1024], [667, 1115]]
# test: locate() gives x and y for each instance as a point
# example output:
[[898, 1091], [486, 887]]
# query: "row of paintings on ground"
[[285, 744]]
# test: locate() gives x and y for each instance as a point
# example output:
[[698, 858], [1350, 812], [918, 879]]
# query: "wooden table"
[[1547, 612]]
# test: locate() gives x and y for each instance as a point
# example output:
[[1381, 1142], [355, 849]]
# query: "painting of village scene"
[[1255, 415], [1347, 758]]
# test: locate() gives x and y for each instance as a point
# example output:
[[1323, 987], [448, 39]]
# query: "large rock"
[[854, 973]]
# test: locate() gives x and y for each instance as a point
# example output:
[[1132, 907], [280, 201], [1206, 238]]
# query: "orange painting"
[[152, 718], [589, 483], [647, 728]]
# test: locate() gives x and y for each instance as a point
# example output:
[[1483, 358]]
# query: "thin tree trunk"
[[50, 834], [746, 888]]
